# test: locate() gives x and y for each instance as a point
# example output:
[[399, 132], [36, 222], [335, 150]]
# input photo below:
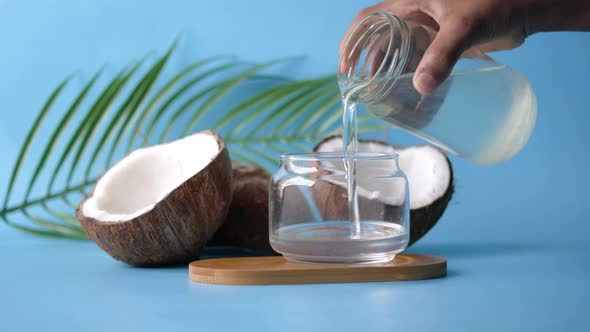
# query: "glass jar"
[[309, 214], [484, 112]]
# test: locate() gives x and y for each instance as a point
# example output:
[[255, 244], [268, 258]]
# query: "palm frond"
[[134, 109]]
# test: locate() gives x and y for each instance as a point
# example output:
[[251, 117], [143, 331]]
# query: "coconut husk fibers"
[[246, 225]]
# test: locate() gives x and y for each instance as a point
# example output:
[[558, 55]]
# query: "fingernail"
[[426, 83]]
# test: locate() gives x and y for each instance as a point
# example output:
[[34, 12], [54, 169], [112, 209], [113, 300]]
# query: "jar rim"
[[340, 156], [393, 70]]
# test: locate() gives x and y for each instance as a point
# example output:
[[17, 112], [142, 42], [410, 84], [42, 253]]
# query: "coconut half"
[[160, 205], [429, 174], [246, 225]]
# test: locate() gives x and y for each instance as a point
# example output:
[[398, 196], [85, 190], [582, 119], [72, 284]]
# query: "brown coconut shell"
[[421, 220], [178, 227], [246, 225]]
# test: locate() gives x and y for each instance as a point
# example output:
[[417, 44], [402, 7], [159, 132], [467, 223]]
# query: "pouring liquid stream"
[[350, 148]]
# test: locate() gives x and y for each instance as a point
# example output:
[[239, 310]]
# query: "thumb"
[[440, 57]]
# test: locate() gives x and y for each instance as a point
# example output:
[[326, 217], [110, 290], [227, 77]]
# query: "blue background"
[[516, 234]]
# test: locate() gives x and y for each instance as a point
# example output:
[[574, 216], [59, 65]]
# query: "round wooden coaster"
[[276, 270]]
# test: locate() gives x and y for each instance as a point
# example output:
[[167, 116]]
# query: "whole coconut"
[[246, 225]]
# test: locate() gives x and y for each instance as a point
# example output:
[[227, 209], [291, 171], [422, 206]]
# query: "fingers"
[[460, 25], [441, 55], [500, 44]]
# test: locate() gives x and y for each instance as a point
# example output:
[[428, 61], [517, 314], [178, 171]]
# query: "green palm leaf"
[[285, 116]]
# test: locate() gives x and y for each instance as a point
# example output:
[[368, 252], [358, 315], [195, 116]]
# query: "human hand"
[[489, 25]]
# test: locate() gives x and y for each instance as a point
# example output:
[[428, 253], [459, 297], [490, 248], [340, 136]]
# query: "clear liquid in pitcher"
[[484, 115]]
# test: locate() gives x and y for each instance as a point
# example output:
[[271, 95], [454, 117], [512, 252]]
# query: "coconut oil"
[[350, 148], [330, 241], [356, 236], [485, 128]]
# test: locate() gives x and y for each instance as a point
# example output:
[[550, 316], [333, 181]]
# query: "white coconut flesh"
[[426, 168], [146, 176]]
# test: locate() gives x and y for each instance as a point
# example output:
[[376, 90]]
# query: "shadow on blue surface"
[[221, 252], [451, 251], [478, 250], [209, 253]]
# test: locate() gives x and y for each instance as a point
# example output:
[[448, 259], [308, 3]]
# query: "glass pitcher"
[[484, 112]]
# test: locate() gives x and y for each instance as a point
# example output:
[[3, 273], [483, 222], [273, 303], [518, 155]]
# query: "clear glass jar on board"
[[484, 112], [309, 211]]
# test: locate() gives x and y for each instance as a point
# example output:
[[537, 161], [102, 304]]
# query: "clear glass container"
[[484, 112], [309, 214]]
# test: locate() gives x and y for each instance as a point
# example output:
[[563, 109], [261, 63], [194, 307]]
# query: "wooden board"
[[276, 270]]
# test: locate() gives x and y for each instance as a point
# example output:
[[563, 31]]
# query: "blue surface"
[[516, 234]]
